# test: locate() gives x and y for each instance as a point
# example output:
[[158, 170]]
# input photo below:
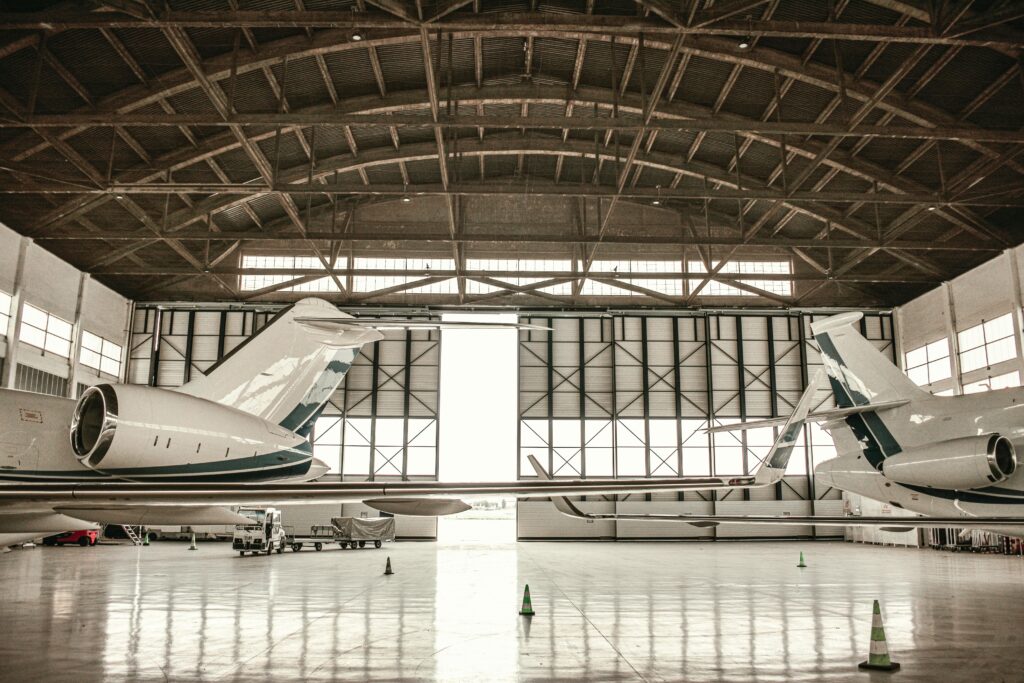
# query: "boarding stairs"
[[134, 536]]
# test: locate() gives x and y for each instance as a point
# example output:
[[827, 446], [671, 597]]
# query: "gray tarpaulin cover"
[[366, 528]]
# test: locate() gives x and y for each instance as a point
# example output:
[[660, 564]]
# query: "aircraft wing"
[[406, 324], [566, 507], [820, 416]]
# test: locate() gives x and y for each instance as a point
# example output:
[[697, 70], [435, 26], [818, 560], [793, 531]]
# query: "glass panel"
[[33, 336], [92, 342], [973, 359], [971, 338], [90, 359], [59, 328], [1000, 350], [30, 315], [917, 357], [999, 328], [357, 460]]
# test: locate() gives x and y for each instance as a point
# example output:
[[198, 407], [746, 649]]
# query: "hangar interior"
[[677, 190]]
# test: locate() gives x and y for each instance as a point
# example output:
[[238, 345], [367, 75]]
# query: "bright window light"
[[100, 354], [45, 331], [672, 287], [929, 363], [541, 265], [986, 344], [254, 282], [5, 312], [372, 283], [716, 288], [1007, 381]]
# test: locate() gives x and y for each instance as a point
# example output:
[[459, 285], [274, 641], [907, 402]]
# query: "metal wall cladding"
[[27, 378]]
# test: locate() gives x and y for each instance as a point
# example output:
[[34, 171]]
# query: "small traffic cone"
[[193, 546], [527, 610], [802, 564], [387, 568], [878, 655], [145, 538]]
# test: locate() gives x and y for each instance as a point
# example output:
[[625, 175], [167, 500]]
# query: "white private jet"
[[126, 454]]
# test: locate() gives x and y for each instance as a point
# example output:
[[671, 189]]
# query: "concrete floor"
[[605, 611]]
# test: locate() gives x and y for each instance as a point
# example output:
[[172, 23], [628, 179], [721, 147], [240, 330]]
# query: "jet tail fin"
[[773, 468], [285, 372], [859, 373]]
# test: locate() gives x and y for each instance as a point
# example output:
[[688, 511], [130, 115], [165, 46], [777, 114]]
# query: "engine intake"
[[93, 424], [968, 463], [131, 429]]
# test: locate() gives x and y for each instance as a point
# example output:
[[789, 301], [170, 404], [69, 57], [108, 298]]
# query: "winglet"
[[773, 468], [562, 504]]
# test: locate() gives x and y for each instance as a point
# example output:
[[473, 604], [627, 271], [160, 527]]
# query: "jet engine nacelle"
[[137, 428], [967, 463]]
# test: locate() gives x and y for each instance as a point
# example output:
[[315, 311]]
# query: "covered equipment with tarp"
[[365, 528]]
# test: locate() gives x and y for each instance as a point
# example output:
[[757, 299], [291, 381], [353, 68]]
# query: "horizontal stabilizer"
[[405, 324], [820, 416], [418, 507]]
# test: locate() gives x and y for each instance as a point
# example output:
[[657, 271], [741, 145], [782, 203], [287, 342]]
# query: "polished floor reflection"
[[605, 611]]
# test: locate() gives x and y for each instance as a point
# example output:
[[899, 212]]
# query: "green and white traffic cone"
[[527, 610], [878, 655], [802, 564], [193, 546], [145, 538]]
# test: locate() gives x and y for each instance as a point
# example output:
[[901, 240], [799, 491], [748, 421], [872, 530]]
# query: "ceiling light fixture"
[[356, 36], [406, 199], [657, 200], [746, 42]]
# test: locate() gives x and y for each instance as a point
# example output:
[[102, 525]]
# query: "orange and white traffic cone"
[[527, 610], [878, 655]]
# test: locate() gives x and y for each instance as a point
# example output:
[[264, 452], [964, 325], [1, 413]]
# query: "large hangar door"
[[631, 396], [478, 438]]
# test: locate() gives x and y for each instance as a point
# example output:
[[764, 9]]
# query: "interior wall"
[[987, 292], [30, 274]]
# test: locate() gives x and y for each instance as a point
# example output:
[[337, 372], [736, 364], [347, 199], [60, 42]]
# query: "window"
[[371, 283], [1007, 381], [986, 344], [100, 354], [254, 282], [928, 363], [517, 265], [670, 286], [716, 288], [45, 331], [5, 312]]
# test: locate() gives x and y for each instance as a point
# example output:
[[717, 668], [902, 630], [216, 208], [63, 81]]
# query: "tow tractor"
[[264, 535]]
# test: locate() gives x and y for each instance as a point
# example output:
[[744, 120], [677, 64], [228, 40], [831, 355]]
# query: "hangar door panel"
[[632, 396]]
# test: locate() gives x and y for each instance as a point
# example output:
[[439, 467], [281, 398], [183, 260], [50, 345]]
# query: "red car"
[[84, 538]]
